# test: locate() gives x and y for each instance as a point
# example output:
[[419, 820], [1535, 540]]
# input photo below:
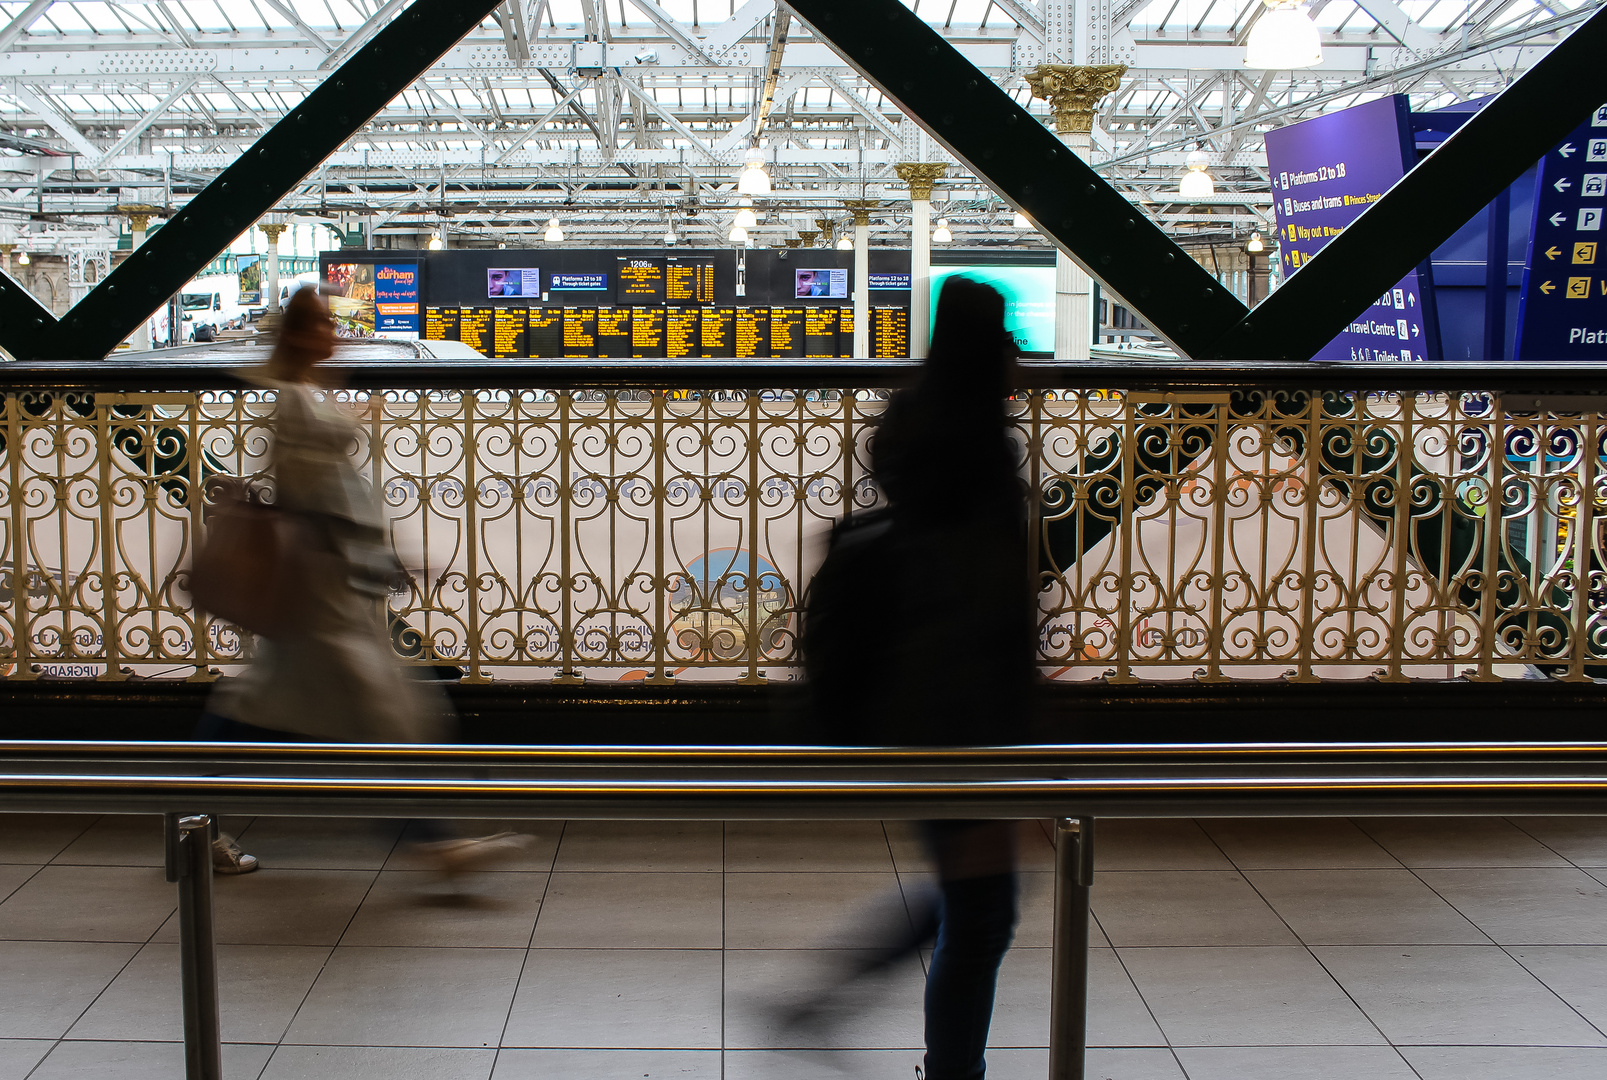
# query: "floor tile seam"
[[1541, 842], [1343, 989], [909, 916], [1413, 870], [518, 980], [1359, 823], [1148, 1009], [54, 1043], [98, 818], [1280, 916], [324, 967], [21, 884], [1552, 990], [149, 940]]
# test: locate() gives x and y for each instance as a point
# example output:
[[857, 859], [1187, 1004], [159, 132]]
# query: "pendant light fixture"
[[1283, 38], [737, 235], [554, 234], [1255, 246], [1196, 183], [941, 234], [1020, 221], [22, 258], [435, 242], [754, 180], [669, 233], [845, 244], [746, 218]]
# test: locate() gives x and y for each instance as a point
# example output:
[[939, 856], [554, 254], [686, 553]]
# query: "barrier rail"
[[1356, 521], [1165, 781]]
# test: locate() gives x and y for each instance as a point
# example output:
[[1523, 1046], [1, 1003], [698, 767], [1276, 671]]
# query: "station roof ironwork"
[[624, 117]]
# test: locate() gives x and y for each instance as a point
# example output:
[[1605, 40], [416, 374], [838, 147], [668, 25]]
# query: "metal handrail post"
[[1068, 992], [198, 956]]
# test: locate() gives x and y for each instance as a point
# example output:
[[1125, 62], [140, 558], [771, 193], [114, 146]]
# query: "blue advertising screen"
[[396, 303], [1562, 306], [1029, 300], [1325, 172]]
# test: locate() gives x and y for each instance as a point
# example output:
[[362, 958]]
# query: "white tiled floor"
[[1222, 950]]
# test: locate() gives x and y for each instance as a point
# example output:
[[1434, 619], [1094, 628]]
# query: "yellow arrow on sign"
[[1547, 287], [1552, 253]]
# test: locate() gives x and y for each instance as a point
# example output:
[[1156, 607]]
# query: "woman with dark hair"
[[953, 662]]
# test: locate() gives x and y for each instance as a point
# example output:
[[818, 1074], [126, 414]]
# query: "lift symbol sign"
[[1562, 308]]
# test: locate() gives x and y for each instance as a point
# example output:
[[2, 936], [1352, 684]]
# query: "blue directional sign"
[[1562, 309]]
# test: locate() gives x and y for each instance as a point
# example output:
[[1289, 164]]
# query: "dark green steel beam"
[[1028, 165], [242, 193], [1443, 193]]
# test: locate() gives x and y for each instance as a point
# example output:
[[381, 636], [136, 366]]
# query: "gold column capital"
[[1074, 91], [273, 232], [793, 241], [139, 215], [828, 231], [920, 176], [861, 209], [808, 237]]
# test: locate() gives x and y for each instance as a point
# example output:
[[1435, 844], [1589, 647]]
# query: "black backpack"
[[856, 590]]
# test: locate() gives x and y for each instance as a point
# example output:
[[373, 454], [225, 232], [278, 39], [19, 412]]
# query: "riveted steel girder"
[[242, 193]]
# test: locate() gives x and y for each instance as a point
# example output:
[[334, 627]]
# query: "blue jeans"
[[976, 923]]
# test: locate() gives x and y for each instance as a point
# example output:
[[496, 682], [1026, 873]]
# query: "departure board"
[[647, 333], [786, 331], [889, 332], [845, 331], [717, 332], [752, 333], [614, 332], [820, 333], [545, 336], [688, 282], [638, 281], [508, 333], [580, 332], [474, 329], [440, 324], [680, 283], [681, 329]]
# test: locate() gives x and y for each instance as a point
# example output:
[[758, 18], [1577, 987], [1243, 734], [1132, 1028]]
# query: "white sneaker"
[[227, 858], [475, 852]]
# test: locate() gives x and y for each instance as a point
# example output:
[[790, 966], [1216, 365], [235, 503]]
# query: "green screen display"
[[1029, 300]]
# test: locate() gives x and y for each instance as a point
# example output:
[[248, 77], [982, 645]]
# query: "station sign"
[[1562, 307], [1325, 172]]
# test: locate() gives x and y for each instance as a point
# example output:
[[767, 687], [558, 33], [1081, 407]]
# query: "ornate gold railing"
[[626, 533]]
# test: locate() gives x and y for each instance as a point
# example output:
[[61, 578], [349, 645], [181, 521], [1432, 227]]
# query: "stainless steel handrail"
[[1521, 778], [591, 756]]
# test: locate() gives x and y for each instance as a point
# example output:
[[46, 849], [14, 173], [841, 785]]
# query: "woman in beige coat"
[[331, 675]]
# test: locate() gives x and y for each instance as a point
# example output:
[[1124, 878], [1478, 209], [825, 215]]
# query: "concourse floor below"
[[1390, 949]]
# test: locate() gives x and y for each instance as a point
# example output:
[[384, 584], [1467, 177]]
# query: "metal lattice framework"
[[624, 117]]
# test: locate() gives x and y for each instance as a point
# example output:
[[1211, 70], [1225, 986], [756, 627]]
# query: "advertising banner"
[[250, 280], [1029, 300], [396, 300], [1325, 172], [353, 305], [1562, 306]]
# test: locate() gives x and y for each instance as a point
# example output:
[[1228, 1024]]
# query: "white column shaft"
[[861, 292], [920, 276], [141, 341], [1074, 293]]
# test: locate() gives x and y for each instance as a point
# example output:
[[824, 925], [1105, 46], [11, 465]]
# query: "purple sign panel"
[[1562, 308], [1325, 172]]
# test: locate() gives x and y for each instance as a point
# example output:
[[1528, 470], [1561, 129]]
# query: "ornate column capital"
[[861, 209], [828, 231], [273, 232], [1074, 91], [808, 237], [920, 176], [139, 215]]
